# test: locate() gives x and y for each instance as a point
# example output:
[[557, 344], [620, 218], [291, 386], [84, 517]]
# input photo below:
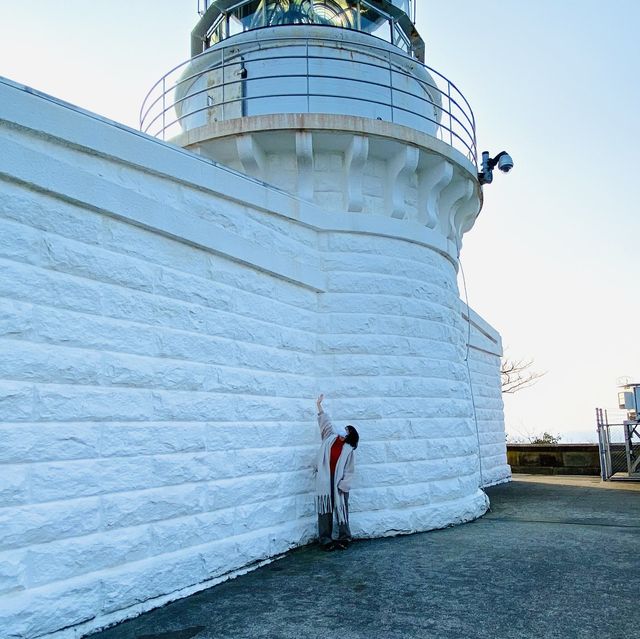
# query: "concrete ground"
[[555, 557]]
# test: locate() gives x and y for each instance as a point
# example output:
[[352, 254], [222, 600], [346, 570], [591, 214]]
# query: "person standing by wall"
[[335, 469]]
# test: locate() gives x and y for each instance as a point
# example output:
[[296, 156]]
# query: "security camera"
[[503, 161]]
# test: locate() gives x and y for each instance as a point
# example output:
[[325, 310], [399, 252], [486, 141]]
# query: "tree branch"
[[515, 375]]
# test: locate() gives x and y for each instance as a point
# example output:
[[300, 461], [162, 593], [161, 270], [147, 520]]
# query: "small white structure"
[[619, 443], [169, 317]]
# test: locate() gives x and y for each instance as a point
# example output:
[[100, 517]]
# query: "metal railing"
[[434, 105]]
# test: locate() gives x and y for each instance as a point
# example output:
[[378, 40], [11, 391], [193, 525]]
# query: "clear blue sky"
[[551, 262]]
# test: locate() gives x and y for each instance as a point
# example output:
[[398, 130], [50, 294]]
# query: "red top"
[[336, 449]]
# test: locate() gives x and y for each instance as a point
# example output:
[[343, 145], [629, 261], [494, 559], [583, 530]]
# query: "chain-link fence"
[[619, 442]]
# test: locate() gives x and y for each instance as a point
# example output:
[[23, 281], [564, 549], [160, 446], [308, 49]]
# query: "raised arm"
[[326, 427]]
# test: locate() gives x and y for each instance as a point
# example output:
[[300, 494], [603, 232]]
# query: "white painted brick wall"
[[165, 326]]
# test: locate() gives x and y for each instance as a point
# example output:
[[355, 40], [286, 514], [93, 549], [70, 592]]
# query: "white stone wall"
[[165, 325], [485, 351], [392, 348]]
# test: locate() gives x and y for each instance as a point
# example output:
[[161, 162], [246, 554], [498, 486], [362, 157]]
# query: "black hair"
[[352, 437]]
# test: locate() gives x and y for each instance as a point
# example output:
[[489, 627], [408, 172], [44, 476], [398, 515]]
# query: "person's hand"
[[319, 402]]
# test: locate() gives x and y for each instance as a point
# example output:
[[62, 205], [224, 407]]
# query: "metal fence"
[[385, 80], [619, 445]]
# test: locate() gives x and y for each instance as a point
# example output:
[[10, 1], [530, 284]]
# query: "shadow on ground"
[[555, 558]]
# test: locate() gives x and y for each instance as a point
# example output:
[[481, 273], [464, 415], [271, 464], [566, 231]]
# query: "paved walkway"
[[557, 557]]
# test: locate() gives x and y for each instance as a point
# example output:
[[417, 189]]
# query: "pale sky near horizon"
[[550, 262]]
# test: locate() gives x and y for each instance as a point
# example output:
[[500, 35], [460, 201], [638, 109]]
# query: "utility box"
[[626, 400], [629, 400]]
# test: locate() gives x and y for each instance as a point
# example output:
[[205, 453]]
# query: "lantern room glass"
[[359, 15]]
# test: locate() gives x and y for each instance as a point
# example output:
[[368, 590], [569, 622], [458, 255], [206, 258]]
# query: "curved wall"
[[392, 344], [307, 69], [166, 324]]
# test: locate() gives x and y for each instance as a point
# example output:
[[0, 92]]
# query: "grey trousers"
[[325, 526]]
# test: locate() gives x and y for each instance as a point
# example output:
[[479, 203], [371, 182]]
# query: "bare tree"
[[517, 374]]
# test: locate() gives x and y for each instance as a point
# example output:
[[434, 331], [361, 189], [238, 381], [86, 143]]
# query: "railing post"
[[450, 117], [308, 83], [164, 110], [391, 86], [223, 82]]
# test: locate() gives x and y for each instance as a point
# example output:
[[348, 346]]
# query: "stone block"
[[123, 439], [70, 558], [141, 507], [153, 248], [229, 493], [80, 478], [253, 435], [19, 242], [391, 497], [22, 526], [31, 442], [71, 403], [47, 213], [193, 407], [446, 489], [263, 514], [43, 611], [36, 362], [15, 319], [12, 571], [141, 581], [180, 468], [285, 313], [130, 305], [92, 262], [92, 332], [14, 485], [265, 460], [16, 401], [233, 553], [196, 290], [184, 532], [147, 372], [199, 348], [211, 407], [39, 286]]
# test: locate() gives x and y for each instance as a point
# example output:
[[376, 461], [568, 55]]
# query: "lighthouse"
[[289, 223], [332, 102]]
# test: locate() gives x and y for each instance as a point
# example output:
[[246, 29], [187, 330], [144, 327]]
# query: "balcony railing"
[[308, 76]]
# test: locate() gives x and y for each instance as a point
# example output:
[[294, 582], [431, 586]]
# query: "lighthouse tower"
[[331, 102]]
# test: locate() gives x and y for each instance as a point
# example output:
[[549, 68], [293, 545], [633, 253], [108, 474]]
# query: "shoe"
[[342, 545], [328, 547]]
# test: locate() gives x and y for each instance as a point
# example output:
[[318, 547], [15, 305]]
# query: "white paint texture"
[[165, 324]]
